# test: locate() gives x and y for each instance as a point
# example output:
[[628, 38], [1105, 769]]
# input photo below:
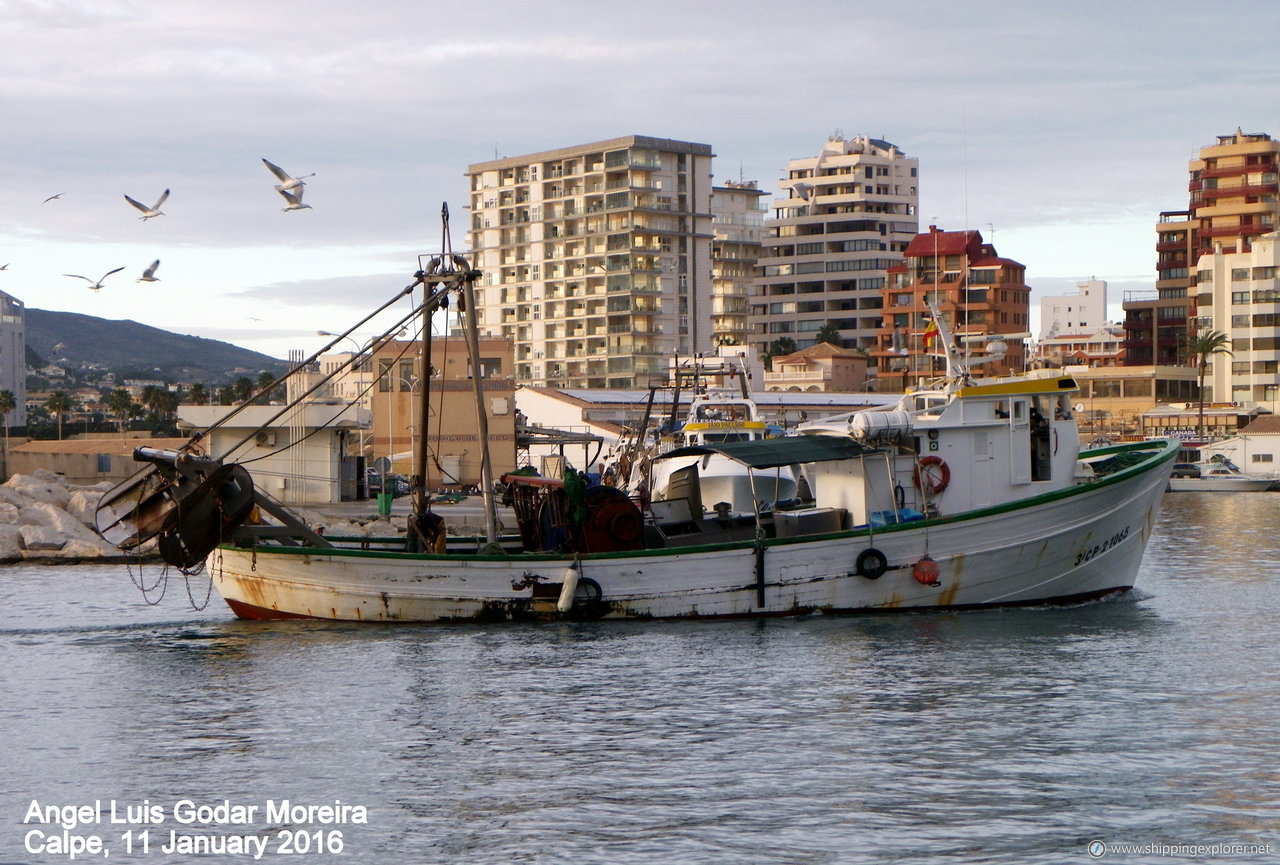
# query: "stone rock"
[[9, 514], [83, 504], [48, 477], [41, 491], [45, 514], [13, 497], [88, 549], [10, 542], [41, 538]]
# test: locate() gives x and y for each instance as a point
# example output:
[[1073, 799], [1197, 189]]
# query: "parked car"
[[1186, 470]]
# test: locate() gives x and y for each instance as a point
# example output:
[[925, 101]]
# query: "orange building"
[[975, 290], [1233, 197]]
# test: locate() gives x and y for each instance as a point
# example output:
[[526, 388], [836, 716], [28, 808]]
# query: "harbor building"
[[1101, 347], [13, 357], [843, 218], [596, 258], [1233, 198], [737, 218], [386, 384], [1237, 293], [980, 294]]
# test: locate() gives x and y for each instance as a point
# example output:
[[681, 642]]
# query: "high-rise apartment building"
[[737, 216], [13, 356], [596, 258], [976, 291], [1234, 196], [843, 219], [1243, 294]]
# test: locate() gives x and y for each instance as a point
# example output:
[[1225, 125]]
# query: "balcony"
[[797, 376], [1237, 231], [1236, 191], [1227, 170]]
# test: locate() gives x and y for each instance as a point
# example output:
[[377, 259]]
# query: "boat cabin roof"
[[784, 451]]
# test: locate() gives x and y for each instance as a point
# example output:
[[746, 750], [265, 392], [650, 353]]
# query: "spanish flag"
[[930, 333]]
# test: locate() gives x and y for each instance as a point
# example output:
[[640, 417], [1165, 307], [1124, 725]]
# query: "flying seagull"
[[286, 181], [149, 212], [53, 198], [4, 266], [94, 286], [149, 275], [294, 199]]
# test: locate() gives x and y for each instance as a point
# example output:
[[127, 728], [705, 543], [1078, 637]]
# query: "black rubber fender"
[[588, 600], [871, 564]]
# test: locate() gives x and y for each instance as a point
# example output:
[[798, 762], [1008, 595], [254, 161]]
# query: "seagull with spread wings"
[[149, 275], [53, 198], [94, 286], [286, 180], [149, 212], [294, 199]]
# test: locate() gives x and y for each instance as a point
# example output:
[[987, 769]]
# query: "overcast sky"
[[1064, 127]]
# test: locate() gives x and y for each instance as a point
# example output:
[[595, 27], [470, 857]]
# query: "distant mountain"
[[130, 347]]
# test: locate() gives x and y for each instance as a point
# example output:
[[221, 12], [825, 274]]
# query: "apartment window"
[[1239, 274], [1239, 321], [1239, 297], [1263, 458]]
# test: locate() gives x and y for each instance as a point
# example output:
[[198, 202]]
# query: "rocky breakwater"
[[44, 518]]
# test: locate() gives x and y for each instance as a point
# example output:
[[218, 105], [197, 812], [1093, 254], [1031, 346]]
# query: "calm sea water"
[[1004, 736]]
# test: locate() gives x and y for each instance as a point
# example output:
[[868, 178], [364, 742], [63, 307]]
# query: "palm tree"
[[243, 388], [1202, 345], [58, 404], [198, 395], [828, 333], [265, 380], [121, 404], [7, 404], [781, 346]]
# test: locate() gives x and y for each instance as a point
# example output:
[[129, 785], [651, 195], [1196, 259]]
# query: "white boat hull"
[[1239, 484], [1071, 545]]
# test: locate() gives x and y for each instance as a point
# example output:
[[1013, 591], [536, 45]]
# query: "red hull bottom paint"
[[250, 611]]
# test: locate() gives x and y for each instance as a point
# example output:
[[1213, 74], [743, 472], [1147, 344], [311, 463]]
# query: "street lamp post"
[[392, 397]]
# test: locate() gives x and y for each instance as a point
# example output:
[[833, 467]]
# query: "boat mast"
[[462, 272]]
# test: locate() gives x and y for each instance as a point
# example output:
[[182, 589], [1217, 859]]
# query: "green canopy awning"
[[783, 451]]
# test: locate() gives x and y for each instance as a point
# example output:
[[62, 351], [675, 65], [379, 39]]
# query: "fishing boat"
[[967, 493]]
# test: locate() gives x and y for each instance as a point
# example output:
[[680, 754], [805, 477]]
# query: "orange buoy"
[[926, 572]]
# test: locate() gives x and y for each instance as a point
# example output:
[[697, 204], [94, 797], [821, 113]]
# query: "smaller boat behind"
[[1216, 476], [718, 414]]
